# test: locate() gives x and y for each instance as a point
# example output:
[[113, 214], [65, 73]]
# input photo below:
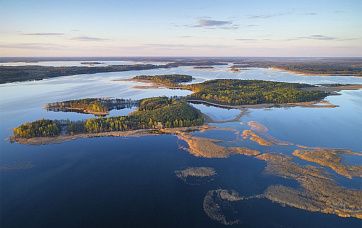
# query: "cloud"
[[310, 13], [260, 16], [266, 16], [37, 46], [271, 15], [183, 46], [214, 24], [347, 39], [322, 37], [246, 39], [88, 38], [317, 37], [44, 34], [338, 11], [208, 23]]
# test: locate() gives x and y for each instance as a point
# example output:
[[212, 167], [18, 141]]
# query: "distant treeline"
[[332, 66], [27, 73], [153, 113], [324, 69], [328, 66]]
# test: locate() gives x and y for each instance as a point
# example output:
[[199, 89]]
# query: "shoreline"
[[152, 85], [307, 104], [301, 73], [130, 133], [78, 110]]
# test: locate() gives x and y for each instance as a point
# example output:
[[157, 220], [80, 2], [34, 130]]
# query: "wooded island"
[[96, 106], [153, 113], [239, 92]]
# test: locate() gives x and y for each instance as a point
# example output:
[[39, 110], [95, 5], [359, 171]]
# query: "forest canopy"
[[250, 92], [166, 79], [240, 92]]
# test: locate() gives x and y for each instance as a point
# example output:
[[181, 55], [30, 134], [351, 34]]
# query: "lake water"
[[131, 181]]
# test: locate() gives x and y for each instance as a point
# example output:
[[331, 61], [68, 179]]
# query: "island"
[[234, 69], [252, 92], [236, 92], [332, 159], [204, 67], [91, 63], [169, 80], [96, 106], [152, 113]]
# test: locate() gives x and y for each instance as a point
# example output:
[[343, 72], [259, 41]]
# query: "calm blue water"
[[128, 182]]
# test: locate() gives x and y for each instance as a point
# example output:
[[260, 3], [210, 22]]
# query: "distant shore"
[[303, 73], [311, 104], [337, 88]]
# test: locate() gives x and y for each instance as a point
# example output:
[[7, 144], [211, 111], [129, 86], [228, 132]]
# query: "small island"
[[96, 106], [204, 67], [91, 63], [169, 80], [331, 158]]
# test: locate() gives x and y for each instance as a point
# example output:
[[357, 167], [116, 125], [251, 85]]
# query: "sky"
[[300, 28]]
